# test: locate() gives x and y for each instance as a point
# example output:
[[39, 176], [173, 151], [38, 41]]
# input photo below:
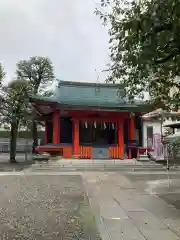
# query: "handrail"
[[67, 152], [114, 152], [86, 152]]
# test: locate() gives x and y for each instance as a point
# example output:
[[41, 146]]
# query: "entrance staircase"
[[72, 165]]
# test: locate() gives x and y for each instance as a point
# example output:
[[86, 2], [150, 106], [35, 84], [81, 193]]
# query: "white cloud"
[[67, 31]]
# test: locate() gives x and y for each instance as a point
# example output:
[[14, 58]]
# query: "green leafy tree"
[[39, 72], [16, 110], [144, 47], [2, 74]]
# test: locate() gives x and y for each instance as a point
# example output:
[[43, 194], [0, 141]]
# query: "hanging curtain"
[[86, 125]]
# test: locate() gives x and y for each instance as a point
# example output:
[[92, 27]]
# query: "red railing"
[[67, 152], [85, 152], [114, 153]]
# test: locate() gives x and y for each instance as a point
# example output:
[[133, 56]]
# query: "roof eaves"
[[43, 99], [89, 84]]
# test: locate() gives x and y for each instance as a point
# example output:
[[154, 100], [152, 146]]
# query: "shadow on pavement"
[[163, 185], [15, 167]]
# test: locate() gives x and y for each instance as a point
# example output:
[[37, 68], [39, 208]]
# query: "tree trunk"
[[34, 135], [34, 124], [13, 139]]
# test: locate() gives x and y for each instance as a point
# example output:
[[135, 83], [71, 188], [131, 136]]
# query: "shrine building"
[[90, 121]]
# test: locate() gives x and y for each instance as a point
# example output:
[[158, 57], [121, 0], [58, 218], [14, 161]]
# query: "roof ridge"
[[86, 84]]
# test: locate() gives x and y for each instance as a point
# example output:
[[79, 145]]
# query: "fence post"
[[26, 147]]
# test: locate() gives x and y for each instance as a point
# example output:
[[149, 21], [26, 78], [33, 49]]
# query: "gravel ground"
[[22, 163], [45, 207], [15, 167]]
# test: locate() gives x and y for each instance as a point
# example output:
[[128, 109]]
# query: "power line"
[[95, 2]]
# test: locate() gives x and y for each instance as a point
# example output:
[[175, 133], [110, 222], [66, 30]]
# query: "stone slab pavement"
[[126, 211]]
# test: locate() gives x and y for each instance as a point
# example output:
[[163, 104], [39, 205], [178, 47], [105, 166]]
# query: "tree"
[[144, 47], [39, 72], [15, 110], [2, 74]]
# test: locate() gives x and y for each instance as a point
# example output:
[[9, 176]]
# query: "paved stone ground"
[[164, 185], [129, 207], [45, 207]]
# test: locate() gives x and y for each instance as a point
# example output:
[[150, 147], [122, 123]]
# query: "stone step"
[[98, 169], [99, 161], [143, 158], [98, 165], [127, 161], [102, 162]]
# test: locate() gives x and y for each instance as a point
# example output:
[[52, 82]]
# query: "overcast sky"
[[67, 31]]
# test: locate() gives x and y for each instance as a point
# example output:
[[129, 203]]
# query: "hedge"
[[22, 134]]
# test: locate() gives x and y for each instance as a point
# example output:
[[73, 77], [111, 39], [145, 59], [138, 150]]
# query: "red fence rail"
[[67, 152], [85, 152], [114, 153]]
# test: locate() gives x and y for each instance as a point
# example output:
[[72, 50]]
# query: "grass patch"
[[83, 223]]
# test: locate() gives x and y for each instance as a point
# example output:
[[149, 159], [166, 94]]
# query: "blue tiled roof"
[[92, 95], [88, 94]]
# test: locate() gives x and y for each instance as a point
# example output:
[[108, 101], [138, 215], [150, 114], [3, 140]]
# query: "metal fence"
[[23, 149], [23, 145], [172, 153]]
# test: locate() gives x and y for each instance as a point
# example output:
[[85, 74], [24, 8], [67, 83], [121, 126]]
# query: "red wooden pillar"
[[76, 137], [46, 132], [131, 134], [121, 138], [131, 129], [56, 127]]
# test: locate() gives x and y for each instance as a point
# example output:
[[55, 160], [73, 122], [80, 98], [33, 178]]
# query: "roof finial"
[[98, 75]]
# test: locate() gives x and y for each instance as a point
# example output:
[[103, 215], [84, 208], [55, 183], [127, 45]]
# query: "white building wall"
[[170, 121], [156, 129]]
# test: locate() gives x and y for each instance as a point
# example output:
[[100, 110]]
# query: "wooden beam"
[[103, 114], [131, 128], [46, 133], [121, 137], [56, 127], [76, 137], [96, 119]]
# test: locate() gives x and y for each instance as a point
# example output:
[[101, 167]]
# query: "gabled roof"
[[173, 125], [95, 95], [159, 113]]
